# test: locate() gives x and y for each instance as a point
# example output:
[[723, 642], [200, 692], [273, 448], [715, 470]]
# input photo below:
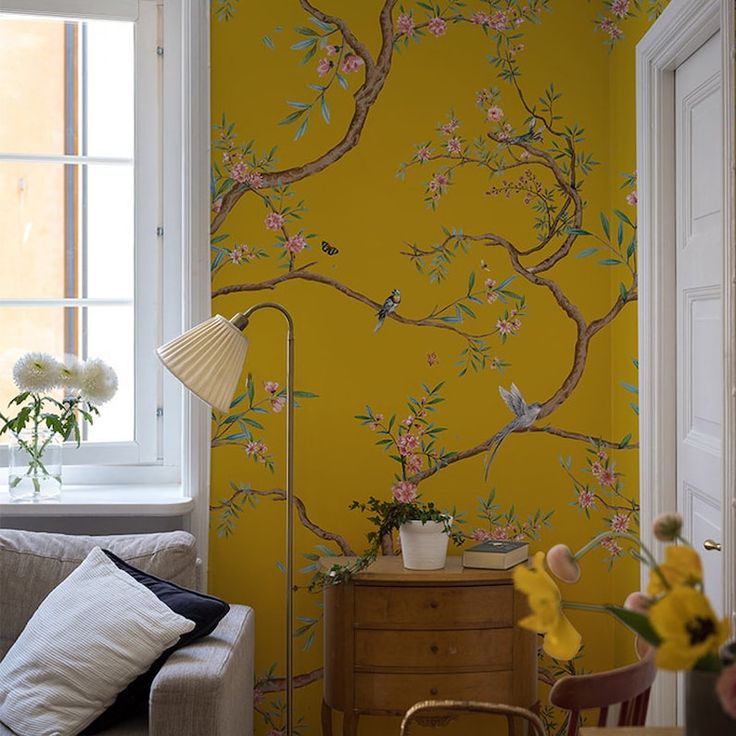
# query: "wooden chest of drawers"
[[394, 637]]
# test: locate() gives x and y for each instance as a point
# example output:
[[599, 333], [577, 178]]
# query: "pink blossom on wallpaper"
[[295, 244], [586, 499], [274, 221], [324, 66], [239, 172], [424, 153], [524, 155], [494, 113], [620, 8], [241, 253], [376, 423], [499, 21], [505, 326], [491, 297], [404, 492], [256, 448], [450, 127], [255, 179], [481, 19], [405, 24], [217, 205], [432, 359], [270, 387], [277, 404], [501, 533], [408, 421], [632, 198], [596, 469], [490, 283], [610, 28], [482, 97], [495, 364], [331, 50], [620, 523], [454, 145], [607, 477], [480, 535], [406, 444], [602, 455], [612, 547], [351, 63], [437, 182], [413, 464], [437, 26]]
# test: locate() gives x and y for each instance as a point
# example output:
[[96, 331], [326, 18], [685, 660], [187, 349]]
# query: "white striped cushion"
[[93, 635]]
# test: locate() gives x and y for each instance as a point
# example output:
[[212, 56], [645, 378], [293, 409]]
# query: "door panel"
[[699, 266]]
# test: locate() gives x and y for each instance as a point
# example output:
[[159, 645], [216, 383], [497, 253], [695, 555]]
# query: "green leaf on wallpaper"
[[291, 117], [250, 388], [310, 53], [301, 129], [219, 238], [505, 282], [632, 247], [325, 109], [471, 281], [298, 105], [341, 80], [305, 395], [624, 441], [303, 44], [267, 40], [622, 290], [587, 252], [623, 216], [306, 31], [620, 234], [606, 226], [322, 25], [631, 389], [610, 262], [467, 310], [252, 423], [577, 231], [635, 407]]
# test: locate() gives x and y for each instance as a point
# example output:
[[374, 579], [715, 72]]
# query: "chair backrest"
[[32, 564], [427, 708], [628, 686]]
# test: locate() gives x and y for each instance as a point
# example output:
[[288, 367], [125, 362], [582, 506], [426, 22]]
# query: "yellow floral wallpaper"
[[444, 198]]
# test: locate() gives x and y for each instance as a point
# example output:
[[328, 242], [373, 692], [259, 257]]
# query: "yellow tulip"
[[561, 640], [689, 629], [682, 566]]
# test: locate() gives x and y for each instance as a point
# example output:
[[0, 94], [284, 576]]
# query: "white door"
[[701, 393]]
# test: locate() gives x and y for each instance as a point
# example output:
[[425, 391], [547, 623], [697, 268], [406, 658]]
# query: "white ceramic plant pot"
[[423, 546]]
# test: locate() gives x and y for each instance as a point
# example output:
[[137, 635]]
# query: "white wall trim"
[[195, 71], [681, 29]]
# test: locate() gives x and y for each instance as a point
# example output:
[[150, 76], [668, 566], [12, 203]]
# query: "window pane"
[[32, 90], [94, 332], [66, 87], [68, 230]]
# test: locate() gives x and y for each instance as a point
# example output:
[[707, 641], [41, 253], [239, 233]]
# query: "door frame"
[[681, 29]]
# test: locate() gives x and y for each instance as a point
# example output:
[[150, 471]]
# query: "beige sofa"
[[203, 689]]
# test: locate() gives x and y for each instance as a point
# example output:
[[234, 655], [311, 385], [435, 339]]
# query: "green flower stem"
[[585, 606], [650, 560]]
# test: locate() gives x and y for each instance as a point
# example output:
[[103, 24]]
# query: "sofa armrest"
[[207, 687]]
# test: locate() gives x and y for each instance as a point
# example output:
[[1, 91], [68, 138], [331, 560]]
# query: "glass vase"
[[34, 466]]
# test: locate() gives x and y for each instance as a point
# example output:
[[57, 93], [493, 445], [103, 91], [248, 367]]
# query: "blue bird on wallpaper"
[[389, 306], [524, 416]]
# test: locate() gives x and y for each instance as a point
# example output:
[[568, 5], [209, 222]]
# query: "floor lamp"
[[208, 360]]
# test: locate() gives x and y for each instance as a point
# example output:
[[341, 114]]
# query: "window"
[[91, 256]]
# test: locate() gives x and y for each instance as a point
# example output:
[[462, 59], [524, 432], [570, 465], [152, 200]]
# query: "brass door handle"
[[711, 544]]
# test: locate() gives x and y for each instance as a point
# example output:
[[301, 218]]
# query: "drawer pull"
[[433, 691], [434, 649], [433, 604]]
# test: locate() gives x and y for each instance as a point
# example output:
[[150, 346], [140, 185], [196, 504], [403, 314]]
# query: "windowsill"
[[104, 500]]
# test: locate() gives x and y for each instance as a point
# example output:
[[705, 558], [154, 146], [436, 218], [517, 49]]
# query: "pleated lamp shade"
[[208, 360]]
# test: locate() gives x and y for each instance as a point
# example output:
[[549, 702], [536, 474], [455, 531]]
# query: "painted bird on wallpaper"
[[524, 416], [390, 305]]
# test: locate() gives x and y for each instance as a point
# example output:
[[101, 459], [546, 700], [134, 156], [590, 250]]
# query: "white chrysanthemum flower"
[[36, 372], [71, 373], [98, 382]]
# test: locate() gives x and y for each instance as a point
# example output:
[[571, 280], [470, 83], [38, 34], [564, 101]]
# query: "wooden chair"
[[438, 708], [628, 686]]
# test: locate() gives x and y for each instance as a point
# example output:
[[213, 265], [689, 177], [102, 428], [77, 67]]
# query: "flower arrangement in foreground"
[[673, 615], [41, 418], [388, 516]]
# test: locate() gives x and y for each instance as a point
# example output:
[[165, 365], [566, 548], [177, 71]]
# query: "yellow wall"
[[359, 206]]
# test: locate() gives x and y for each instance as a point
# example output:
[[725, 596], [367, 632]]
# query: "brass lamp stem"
[[240, 320]]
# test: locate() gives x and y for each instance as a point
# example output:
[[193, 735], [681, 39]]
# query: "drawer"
[[446, 607], [398, 692], [491, 648]]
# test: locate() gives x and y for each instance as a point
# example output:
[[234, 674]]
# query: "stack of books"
[[496, 555]]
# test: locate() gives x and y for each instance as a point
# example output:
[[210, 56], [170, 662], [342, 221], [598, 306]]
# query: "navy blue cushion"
[[205, 610]]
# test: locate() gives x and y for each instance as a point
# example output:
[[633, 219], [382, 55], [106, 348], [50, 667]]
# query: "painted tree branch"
[[375, 77], [306, 275], [280, 495], [589, 438], [278, 684]]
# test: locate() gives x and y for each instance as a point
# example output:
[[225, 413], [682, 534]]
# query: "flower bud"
[[561, 561], [667, 527]]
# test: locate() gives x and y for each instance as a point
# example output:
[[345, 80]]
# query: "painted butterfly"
[[329, 249]]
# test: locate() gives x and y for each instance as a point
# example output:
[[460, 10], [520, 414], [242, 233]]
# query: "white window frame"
[[181, 434]]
